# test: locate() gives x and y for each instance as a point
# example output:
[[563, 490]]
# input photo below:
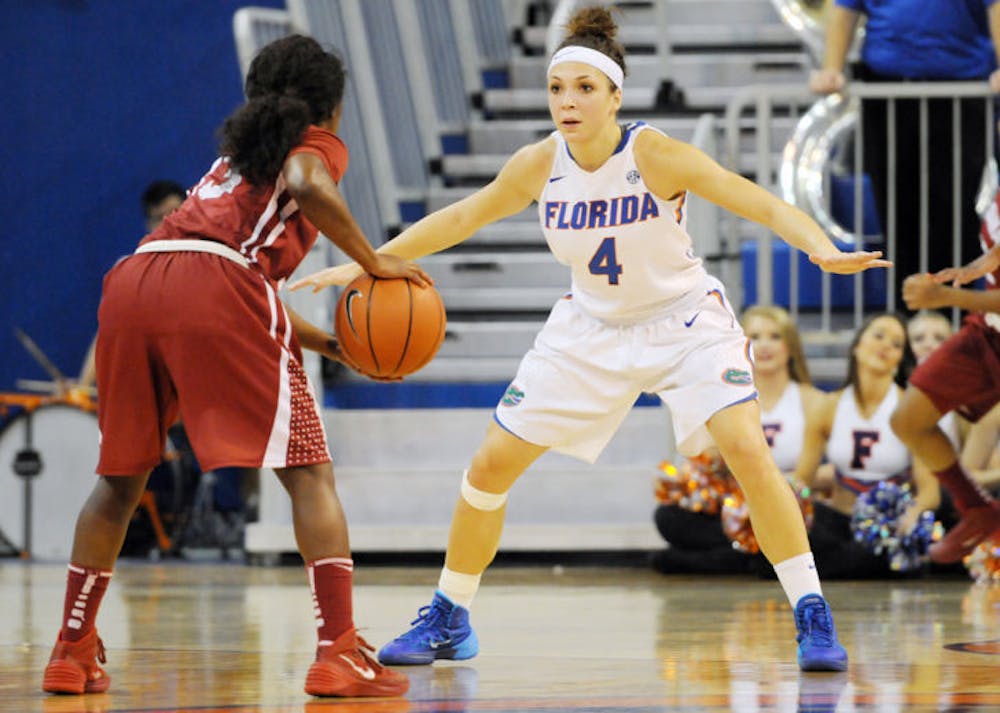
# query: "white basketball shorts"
[[574, 388]]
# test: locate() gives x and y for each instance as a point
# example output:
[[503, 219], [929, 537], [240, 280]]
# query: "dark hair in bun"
[[594, 27]]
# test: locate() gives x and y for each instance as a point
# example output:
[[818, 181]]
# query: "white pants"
[[574, 388]]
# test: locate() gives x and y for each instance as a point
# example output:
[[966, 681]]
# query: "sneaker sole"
[[323, 683], [66, 677], [823, 665], [468, 649]]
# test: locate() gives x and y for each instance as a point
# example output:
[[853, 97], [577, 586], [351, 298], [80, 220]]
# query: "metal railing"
[[763, 102]]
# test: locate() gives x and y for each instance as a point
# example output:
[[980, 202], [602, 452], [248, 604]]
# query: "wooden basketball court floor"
[[235, 638]]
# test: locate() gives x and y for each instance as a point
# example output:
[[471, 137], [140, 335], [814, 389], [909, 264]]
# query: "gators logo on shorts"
[[512, 397], [737, 377]]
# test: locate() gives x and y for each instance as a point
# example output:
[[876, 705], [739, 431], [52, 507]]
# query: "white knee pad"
[[480, 499]]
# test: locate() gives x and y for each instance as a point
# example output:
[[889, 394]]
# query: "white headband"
[[597, 60]]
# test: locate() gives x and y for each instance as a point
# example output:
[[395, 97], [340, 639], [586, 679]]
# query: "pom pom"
[[736, 523], [983, 562], [736, 518], [876, 519], [699, 485]]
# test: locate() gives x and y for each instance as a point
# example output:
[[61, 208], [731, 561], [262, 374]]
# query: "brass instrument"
[[808, 19], [816, 148]]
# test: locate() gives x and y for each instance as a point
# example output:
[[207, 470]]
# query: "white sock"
[[459, 588], [798, 577]]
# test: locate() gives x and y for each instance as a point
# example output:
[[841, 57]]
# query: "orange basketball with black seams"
[[389, 327]]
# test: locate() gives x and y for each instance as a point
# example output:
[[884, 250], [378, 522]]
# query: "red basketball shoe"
[[72, 667], [975, 526], [348, 668]]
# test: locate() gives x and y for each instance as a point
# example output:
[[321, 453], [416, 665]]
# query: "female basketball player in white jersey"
[[642, 315], [787, 399], [852, 430]]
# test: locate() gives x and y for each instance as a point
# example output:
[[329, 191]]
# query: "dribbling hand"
[[393, 266], [841, 263]]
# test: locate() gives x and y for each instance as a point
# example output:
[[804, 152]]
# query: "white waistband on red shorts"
[[195, 246]]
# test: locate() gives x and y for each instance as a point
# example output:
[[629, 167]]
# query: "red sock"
[[331, 580], [964, 491], [84, 590]]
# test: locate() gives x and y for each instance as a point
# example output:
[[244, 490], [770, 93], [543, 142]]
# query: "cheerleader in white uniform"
[[642, 315], [852, 430]]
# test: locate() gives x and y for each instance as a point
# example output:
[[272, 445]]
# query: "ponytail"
[[259, 135]]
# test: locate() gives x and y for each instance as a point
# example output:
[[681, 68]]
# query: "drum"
[[66, 438]]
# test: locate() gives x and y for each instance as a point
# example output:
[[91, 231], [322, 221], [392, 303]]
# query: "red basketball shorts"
[[197, 336], [963, 374]]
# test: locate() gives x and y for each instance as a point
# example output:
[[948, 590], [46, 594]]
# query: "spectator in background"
[[787, 401], [159, 199], [919, 40], [926, 331], [852, 430]]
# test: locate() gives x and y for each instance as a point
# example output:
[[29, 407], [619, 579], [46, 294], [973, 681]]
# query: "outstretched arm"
[[515, 187], [670, 167]]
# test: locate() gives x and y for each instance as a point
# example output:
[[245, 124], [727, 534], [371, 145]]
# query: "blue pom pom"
[[876, 519]]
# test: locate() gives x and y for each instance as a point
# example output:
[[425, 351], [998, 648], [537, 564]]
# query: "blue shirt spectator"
[[927, 39]]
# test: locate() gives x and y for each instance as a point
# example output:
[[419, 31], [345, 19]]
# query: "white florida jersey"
[[629, 251], [784, 428], [865, 450]]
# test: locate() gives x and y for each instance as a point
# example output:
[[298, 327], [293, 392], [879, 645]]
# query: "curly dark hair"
[[593, 27], [292, 82]]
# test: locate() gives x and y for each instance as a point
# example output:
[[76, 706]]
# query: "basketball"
[[389, 327]]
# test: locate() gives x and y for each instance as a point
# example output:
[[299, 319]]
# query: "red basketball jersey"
[[263, 223]]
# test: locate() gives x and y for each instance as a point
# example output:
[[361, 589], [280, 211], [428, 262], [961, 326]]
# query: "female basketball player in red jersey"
[[643, 315], [961, 375], [191, 326]]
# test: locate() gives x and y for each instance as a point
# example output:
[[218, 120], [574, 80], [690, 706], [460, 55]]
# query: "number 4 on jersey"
[[605, 261]]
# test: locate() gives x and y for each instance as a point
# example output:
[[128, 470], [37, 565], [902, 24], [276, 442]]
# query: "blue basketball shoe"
[[819, 649], [440, 631]]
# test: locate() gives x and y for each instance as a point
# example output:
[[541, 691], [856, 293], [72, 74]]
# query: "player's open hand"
[[337, 275], [842, 263], [923, 291], [958, 276]]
